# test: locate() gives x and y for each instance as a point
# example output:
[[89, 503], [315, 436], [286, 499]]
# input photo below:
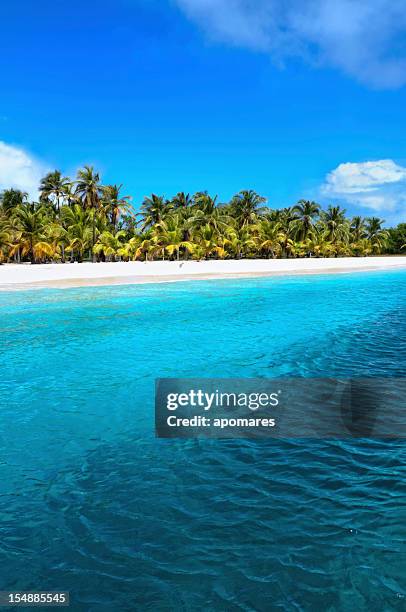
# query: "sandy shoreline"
[[25, 276]]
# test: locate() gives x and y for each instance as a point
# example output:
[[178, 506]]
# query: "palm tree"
[[78, 226], [32, 238], [209, 242], [5, 243], [286, 219], [168, 236], [205, 211], [11, 198], [246, 207], [271, 238], [71, 197], [304, 214], [10, 235], [288, 241], [204, 202], [182, 200], [89, 189], [376, 234], [357, 228], [57, 237], [147, 244], [336, 225], [317, 245], [130, 249], [362, 248], [241, 241], [114, 204], [110, 244], [54, 187], [153, 210]]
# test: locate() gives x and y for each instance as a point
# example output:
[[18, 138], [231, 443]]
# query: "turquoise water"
[[92, 503]]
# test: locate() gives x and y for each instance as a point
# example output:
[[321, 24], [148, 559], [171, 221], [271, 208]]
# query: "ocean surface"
[[92, 503]]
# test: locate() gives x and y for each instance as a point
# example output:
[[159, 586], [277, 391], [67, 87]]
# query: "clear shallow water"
[[91, 502]]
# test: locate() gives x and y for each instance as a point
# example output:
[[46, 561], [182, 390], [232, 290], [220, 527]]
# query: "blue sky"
[[223, 95]]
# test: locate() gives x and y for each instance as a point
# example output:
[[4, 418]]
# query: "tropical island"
[[82, 219]]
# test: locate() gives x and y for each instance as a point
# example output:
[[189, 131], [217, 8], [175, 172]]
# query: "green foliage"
[[397, 239], [84, 219]]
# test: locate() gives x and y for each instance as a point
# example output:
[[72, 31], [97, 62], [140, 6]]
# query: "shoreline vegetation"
[[82, 219]]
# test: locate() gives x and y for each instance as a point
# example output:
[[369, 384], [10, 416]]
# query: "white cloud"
[[365, 176], [376, 185], [365, 39], [20, 170]]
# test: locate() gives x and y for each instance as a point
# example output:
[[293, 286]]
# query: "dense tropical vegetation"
[[82, 219]]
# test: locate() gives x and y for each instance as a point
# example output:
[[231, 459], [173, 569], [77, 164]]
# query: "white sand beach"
[[25, 276]]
